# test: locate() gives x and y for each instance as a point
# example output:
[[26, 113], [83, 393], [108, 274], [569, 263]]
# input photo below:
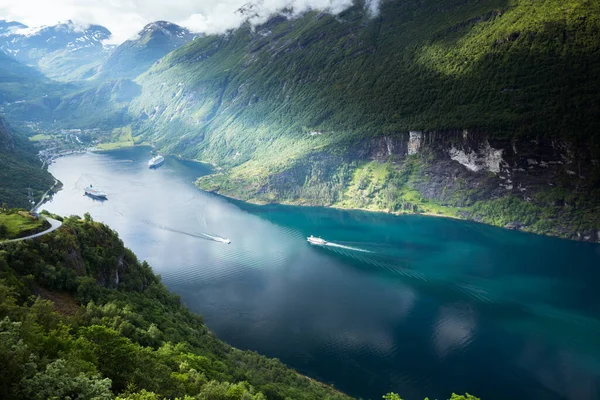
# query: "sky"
[[124, 18]]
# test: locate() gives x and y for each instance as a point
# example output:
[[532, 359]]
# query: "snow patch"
[[486, 158]]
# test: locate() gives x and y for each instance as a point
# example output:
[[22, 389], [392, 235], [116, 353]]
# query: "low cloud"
[[126, 18]]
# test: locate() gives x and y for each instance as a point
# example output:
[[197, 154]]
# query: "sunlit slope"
[[296, 110], [508, 67]]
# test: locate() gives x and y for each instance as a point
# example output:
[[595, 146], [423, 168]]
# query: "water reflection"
[[454, 328]]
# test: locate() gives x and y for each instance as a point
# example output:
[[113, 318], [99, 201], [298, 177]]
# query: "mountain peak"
[[9, 27], [49, 47], [137, 54], [164, 27]]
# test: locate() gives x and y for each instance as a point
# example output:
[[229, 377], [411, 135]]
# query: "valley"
[[279, 167], [444, 107]]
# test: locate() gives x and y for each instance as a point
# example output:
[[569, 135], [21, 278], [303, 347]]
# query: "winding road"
[[54, 225], [34, 209]]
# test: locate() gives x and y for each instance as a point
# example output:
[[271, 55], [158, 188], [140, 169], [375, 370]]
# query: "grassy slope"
[[18, 224], [394, 187], [121, 137], [129, 329]]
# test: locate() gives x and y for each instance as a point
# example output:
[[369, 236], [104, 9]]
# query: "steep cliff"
[[541, 185]]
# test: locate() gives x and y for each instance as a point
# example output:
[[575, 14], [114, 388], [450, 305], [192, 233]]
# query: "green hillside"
[[101, 324], [510, 67], [20, 170], [17, 80], [290, 110]]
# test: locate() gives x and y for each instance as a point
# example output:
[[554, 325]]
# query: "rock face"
[[461, 169]]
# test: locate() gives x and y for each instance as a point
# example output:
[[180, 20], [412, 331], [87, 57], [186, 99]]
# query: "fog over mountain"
[[125, 19]]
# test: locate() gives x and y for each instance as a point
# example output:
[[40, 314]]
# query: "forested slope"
[[20, 170], [80, 316]]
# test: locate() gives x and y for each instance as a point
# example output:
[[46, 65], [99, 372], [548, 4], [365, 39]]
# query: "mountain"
[[478, 110], [26, 95], [66, 51], [136, 55], [17, 81], [82, 317], [9, 27], [21, 172], [102, 105]]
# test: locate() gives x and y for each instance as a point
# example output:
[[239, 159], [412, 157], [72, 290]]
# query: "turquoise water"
[[418, 305]]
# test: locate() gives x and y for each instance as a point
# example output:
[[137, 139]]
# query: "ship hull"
[[156, 165], [96, 196]]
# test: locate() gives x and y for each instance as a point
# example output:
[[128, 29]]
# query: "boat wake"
[[204, 236], [341, 246], [217, 238]]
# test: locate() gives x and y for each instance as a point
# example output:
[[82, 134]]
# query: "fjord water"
[[419, 305]]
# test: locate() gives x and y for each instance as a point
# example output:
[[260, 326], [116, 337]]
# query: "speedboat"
[[316, 240]]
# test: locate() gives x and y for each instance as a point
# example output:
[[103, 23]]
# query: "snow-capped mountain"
[[63, 50], [137, 54], [8, 27]]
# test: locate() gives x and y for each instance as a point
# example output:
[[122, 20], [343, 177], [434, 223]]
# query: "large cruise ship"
[[156, 161], [94, 192]]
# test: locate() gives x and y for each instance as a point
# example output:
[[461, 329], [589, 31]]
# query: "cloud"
[[373, 7], [125, 18]]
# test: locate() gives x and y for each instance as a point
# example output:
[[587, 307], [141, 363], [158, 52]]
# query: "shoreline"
[[336, 207], [394, 213]]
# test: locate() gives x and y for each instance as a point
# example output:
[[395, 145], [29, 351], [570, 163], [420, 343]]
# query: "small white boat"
[[316, 240], [220, 239]]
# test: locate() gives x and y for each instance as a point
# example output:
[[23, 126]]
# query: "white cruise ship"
[[156, 161], [94, 192]]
